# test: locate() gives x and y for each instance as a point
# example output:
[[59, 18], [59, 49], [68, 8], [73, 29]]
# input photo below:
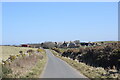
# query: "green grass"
[[88, 71], [6, 51]]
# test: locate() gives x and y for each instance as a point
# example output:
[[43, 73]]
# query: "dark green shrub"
[[20, 52], [30, 51]]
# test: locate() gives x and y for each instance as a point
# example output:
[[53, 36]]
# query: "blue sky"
[[34, 22]]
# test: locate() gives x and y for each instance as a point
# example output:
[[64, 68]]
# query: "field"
[[25, 65], [6, 51]]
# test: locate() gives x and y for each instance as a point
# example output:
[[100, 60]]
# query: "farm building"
[[71, 45], [25, 45], [64, 45]]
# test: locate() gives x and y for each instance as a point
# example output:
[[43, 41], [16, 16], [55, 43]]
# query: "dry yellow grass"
[[36, 71], [23, 67], [6, 51]]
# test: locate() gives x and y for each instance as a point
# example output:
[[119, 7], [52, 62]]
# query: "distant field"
[[6, 51]]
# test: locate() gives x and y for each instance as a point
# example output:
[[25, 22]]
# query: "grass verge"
[[36, 71]]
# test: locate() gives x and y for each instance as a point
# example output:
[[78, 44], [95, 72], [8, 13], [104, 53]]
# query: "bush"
[[18, 55], [98, 56], [40, 50], [30, 51], [56, 49], [20, 52], [12, 57], [5, 62], [23, 55]]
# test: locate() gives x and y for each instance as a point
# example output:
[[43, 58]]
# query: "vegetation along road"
[[57, 68]]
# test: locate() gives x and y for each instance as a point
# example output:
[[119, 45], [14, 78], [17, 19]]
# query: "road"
[[57, 68]]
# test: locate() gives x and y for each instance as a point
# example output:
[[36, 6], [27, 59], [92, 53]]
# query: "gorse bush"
[[23, 55], [18, 55], [40, 50], [30, 51], [12, 57], [5, 62], [105, 56], [20, 52], [56, 49]]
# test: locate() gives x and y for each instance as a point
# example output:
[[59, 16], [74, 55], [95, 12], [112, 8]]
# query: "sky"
[[35, 22]]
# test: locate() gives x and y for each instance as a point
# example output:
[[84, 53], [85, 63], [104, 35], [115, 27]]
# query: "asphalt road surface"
[[57, 68]]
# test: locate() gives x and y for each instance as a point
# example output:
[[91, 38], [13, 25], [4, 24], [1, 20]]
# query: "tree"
[[48, 45], [77, 41]]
